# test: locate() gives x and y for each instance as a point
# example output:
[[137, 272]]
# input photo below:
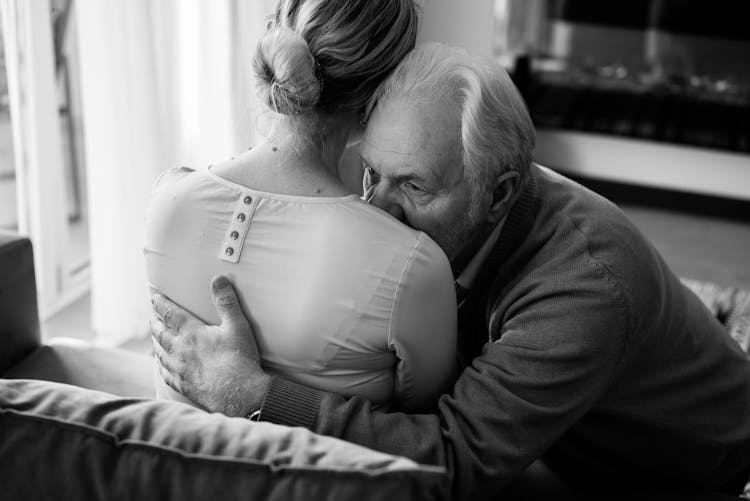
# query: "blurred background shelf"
[[646, 163], [652, 93]]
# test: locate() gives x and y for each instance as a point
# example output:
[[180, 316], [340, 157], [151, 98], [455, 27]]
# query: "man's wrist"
[[250, 396]]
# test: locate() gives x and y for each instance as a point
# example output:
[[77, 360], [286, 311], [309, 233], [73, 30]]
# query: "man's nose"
[[381, 199], [396, 211]]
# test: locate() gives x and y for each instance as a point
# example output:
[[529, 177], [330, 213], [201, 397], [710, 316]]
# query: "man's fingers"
[[168, 377], [169, 362], [174, 317], [226, 302], [160, 333]]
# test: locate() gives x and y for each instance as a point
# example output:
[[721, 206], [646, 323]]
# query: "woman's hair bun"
[[286, 73]]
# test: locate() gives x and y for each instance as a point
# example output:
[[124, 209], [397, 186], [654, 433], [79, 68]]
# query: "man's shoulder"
[[562, 198], [577, 243], [584, 221], [580, 245]]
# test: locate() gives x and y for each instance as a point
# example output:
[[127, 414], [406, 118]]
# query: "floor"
[[72, 322], [75, 322], [699, 247]]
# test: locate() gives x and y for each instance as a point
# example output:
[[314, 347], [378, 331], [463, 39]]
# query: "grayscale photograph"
[[374, 250]]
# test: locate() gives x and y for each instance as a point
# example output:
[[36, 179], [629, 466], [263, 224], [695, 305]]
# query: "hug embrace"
[[472, 310], [464, 308]]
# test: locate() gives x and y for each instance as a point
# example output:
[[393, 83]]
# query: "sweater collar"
[[514, 227], [519, 219], [468, 275]]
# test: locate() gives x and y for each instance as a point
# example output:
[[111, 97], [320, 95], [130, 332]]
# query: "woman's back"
[[341, 296]]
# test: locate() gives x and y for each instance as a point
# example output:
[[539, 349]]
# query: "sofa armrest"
[[64, 442], [19, 318]]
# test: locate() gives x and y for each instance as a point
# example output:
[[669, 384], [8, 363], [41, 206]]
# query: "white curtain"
[[164, 83]]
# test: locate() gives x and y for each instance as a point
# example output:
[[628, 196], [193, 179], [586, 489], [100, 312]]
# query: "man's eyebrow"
[[400, 178]]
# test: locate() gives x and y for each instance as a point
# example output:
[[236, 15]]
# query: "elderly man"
[[578, 344]]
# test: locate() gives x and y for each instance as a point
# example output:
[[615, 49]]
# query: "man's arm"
[[551, 360]]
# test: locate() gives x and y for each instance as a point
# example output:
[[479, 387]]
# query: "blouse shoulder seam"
[[171, 171], [399, 287]]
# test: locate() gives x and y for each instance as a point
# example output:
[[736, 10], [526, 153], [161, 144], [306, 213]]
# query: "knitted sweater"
[[582, 347]]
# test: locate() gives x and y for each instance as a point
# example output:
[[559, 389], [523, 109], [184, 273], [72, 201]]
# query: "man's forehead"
[[396, 128], [412, 135]]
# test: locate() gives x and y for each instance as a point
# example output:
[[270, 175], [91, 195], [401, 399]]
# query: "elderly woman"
[[313, 262]]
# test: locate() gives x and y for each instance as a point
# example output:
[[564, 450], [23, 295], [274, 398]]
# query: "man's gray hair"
[[497, 135]]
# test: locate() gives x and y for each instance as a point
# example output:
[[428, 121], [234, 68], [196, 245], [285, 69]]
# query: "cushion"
[[730, 305], [63, 442], [72, 361]]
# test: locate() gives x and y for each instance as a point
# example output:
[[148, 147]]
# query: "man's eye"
[[413, 187]]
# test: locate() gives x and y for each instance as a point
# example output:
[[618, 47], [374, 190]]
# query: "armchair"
[[77, 422]]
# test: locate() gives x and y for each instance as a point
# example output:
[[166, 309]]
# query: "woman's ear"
[[503, 195]]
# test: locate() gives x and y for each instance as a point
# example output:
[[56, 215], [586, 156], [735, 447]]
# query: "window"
[[44, 176]]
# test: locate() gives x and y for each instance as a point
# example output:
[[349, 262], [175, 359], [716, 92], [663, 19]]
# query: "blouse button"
[[229, 251], [234, 235], [247, 200], [240, 217]]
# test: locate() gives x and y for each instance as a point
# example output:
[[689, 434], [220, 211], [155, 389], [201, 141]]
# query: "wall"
[[468, 24]]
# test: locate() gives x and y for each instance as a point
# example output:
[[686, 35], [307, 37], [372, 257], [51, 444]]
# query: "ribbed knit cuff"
[[290, 404]]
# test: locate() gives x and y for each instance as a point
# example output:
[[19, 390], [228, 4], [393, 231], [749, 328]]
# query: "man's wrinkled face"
[[411, 154]]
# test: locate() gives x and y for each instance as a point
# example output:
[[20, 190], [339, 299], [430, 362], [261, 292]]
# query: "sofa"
[[78, 422]]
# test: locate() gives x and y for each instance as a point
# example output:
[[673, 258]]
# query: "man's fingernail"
[[221, 282]]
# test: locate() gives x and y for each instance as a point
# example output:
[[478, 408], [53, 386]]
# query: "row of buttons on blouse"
[[234, 235]]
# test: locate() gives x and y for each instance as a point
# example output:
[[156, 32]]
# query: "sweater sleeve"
[[423, 328], [554, 353]]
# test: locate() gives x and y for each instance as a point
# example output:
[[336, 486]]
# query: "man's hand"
[[216, 366]]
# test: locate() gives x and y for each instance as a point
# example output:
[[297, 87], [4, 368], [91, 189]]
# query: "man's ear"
[[503, 195]]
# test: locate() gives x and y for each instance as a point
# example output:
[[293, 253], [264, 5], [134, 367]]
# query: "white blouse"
[[341, 296]]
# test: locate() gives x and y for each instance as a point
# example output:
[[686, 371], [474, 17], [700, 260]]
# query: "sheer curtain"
[[164, 83]]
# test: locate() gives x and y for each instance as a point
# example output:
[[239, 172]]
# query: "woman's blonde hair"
[[329, 56]]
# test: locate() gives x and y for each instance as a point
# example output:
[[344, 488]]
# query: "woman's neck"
[[282, 163], [333, 146], [322, 153]]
